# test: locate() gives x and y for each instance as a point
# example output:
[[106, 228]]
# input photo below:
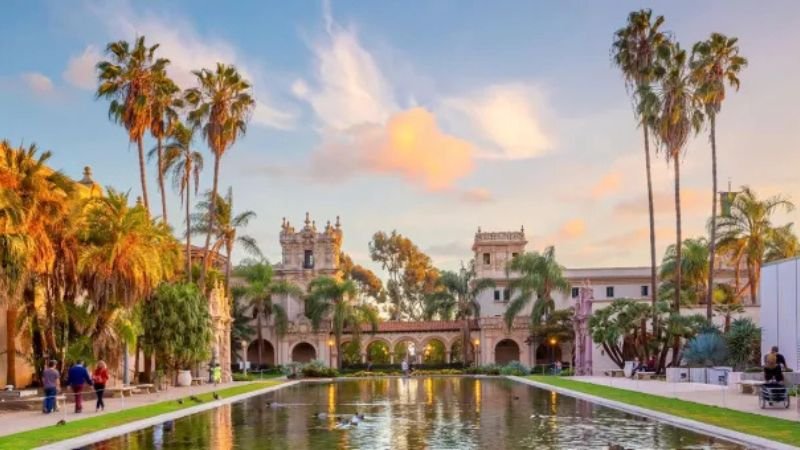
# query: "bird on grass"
[[195, 399], [61, 422], [215, 395], [180, 401]]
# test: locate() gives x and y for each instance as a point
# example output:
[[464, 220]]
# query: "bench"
[[28, 403], [615, 373], [144, 388], [749, 386], [198, 381], [113, 392], [645, 375]]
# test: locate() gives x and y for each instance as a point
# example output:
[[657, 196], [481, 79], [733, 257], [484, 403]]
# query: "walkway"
[[16, 421], [708, 394]]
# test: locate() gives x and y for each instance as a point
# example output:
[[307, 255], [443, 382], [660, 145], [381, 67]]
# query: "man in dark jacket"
[[77, 378]]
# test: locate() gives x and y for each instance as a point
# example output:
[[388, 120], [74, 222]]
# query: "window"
[[308, 259], [576, 292], [506, 295], [497, 295], [610, 291], [487, 258], [645, 291]]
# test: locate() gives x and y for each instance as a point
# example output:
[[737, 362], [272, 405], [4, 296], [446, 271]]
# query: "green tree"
[[456, 297], [715, 62], [558, 326], [635, 51], [749, 227], [617, 327], [367, 282], [177, 325], [222, 105], [164, 102], [694, 267], [334, 300], [744, 340], [539, 276], [185, 165], [727, 303], [259, 291], [128, 80], [782, 244]]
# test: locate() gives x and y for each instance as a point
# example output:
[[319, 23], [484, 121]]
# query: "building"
[[780, 309]]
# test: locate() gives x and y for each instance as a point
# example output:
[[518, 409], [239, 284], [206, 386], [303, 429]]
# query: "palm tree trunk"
[[713, 244], [228, 265], [143, 175], [338, 339], [136, 359], [755, 281], [188, 237], [260, 340], [161, 182], [653, 281], [211, 219], [465, 342], [11, 344], [678, 251]]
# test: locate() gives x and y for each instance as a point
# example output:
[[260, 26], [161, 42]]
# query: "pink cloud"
[[692, 201], [609, 184]]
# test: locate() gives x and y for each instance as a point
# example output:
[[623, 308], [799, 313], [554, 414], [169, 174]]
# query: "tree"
[[224, 226], [177, 324], [334, 300], [694, 267], [616, 328], [128, 80], [673, 112], [185, 165], [714, 62], [412, 276], [222, 105], [727, 303], [635, 52], [782, 244], [749, 227], [163, 103], [456, 297], [259, 289], [540, 276], [241, 330], [367, 282], [744, 339], [558, 326]]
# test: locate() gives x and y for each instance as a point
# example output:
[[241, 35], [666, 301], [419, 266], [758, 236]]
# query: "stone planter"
[[698, 375], [677, 375], [718, 375], [758, 376], [184, 378], [733, 378]]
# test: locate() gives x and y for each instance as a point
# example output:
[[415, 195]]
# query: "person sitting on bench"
[[637, 367], [774, 363]]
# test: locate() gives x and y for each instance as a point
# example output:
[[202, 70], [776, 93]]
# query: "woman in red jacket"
[[99, 379]]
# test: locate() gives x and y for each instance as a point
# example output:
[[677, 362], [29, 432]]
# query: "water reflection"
[[412, 413]]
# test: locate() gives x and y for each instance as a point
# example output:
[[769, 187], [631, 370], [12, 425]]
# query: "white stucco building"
[[780, 309]]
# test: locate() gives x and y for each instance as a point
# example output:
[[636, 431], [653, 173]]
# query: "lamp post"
[[243, 343], [553, 343], [477, 343], [330, 352]]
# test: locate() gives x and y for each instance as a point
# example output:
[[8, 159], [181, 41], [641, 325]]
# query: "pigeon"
[[360, 416], [195, 399], [180, 401], [61, 422], [215, 395], [354, 420]]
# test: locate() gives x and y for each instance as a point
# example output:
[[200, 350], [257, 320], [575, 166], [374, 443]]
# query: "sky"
[[432, 118]]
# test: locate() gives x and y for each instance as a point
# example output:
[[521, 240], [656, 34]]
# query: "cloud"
[[80, 71], [38, 83], [572, 229], [450, 249], [692, 201], [508, 119], [609, 184], [477, 195], [410, 145]]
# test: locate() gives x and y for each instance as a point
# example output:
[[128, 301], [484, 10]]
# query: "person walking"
[[50, 378], [404, 366], [100, 378], [77, 378]]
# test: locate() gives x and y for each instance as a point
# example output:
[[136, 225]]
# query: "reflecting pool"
[[413, 413]]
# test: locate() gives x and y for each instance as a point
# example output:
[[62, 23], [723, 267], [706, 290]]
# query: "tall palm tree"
[[457, 295], [694, 267], [258, 292], [222, 105], [185, 165], [128, 79], [164, 116], [714, 62], [329, 298], [749, 225], [675, 114], [540, 276], [224, 226], [635, 52]]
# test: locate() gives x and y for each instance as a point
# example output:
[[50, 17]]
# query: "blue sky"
[[432, 118]]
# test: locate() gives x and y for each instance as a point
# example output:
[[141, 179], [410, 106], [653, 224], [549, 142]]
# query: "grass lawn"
[[47, 435], [776, 429]]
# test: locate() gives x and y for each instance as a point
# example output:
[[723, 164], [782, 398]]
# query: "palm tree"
[[329, 298], [539, 275], [694, 267], [714, 62], [635, 52], [674, 113], [128, 80], [185, 165], [749, 226], [727, 303], [164, 117], [457, 295], [783, 244], [259, 291], [222, 106], [225, 229]]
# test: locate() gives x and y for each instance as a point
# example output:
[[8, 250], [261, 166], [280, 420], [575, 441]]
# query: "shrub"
[[242, 377], [567, 372], [515, 368], [743, 339], [706, 349], [490, 369], [318, 369]]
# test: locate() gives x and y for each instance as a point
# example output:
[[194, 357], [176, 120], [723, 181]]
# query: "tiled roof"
[[396, 326]]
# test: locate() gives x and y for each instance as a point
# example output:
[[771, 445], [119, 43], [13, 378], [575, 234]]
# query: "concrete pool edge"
[[687, 424], [130, 427]]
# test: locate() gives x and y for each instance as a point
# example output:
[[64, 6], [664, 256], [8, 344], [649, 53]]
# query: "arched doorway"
[[351, 353], [267, 354], [378, 352], [406, 349], [303, 353], [433, 352], [547, 353], [506, 351]]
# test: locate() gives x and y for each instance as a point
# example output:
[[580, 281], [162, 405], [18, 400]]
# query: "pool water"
[[414, 413]]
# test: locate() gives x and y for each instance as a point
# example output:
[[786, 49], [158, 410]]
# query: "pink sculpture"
[[583, 339]]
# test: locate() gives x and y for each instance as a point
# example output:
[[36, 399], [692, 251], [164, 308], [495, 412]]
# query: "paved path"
[[708, 394], [15, 421]]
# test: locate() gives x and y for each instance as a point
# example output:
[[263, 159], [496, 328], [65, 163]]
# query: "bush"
[[706, 349], [515, 368], [242, 377], [567, 372], [489, 369], [743, 339], [318, 369]]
